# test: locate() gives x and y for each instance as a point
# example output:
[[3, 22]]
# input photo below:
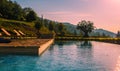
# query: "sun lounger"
[[17, 33], [6, 32], [21, 32]]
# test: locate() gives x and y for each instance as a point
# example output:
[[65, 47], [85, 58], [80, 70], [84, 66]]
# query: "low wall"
[[43, 47], [21, 50]]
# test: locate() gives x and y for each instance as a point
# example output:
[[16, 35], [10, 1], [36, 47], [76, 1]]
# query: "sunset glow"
[[104, 13]]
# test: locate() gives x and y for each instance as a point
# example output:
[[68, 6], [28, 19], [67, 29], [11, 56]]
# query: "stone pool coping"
[[26, 47]]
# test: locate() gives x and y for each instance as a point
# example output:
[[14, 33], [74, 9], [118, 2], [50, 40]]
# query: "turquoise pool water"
[[67, 56]]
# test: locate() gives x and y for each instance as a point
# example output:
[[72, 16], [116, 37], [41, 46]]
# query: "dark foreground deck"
[[26, 47]]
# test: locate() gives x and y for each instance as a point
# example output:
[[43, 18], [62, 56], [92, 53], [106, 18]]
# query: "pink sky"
[[104, 13]]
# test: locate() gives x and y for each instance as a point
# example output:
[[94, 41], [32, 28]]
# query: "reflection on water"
[[117, 68], [86, 44], [85, 48], [67, 56], [87, 55]]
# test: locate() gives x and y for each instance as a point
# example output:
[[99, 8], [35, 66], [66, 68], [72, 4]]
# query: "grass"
[[81, 38], [15, 21], [10, 25], [109, 40]]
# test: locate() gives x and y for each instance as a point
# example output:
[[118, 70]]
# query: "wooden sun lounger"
[[17, 33], [6, 32], [21, 32]]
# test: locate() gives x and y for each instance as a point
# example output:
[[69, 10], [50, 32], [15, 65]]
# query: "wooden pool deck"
[[26, 47]]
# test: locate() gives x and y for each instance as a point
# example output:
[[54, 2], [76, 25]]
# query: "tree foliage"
[[38, 25], [12, 10], [61, 29], [46, 23], [51, 26], [31, 16], [86, 27], [118, 34], [75, 32]]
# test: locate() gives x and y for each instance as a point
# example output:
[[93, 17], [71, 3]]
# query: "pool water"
[[67, 56]]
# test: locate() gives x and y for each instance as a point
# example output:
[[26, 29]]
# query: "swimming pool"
[[67, 56]]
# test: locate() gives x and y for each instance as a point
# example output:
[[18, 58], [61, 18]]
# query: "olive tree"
[[86, 27]]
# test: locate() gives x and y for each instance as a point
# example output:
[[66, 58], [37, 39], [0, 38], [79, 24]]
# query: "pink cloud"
[[64, 16]]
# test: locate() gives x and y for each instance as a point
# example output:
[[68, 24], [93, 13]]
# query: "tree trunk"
[[86, 34], [38, 34]]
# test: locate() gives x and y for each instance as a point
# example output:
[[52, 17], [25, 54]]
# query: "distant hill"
[[100, 32], [71, 28], [97, 32]]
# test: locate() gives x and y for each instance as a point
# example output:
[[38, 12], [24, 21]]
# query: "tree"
[[61, 29], [4, 8], [27, 10], [10, 10], [31, 16], [46, 22], [17, 12], [75, 32], [51, 26], [118, 34], [86, 27], [103, 35], [38, 26]]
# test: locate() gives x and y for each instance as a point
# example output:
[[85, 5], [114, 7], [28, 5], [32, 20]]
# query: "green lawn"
[[14, 21], [10, 25], [81, 38]]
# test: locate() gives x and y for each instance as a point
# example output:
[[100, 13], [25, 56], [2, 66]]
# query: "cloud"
[[66, 16], [65, 13]]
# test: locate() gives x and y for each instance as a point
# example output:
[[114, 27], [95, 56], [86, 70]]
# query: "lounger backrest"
[[0, 34], [6, 32], [18, 34], [21, 32]]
